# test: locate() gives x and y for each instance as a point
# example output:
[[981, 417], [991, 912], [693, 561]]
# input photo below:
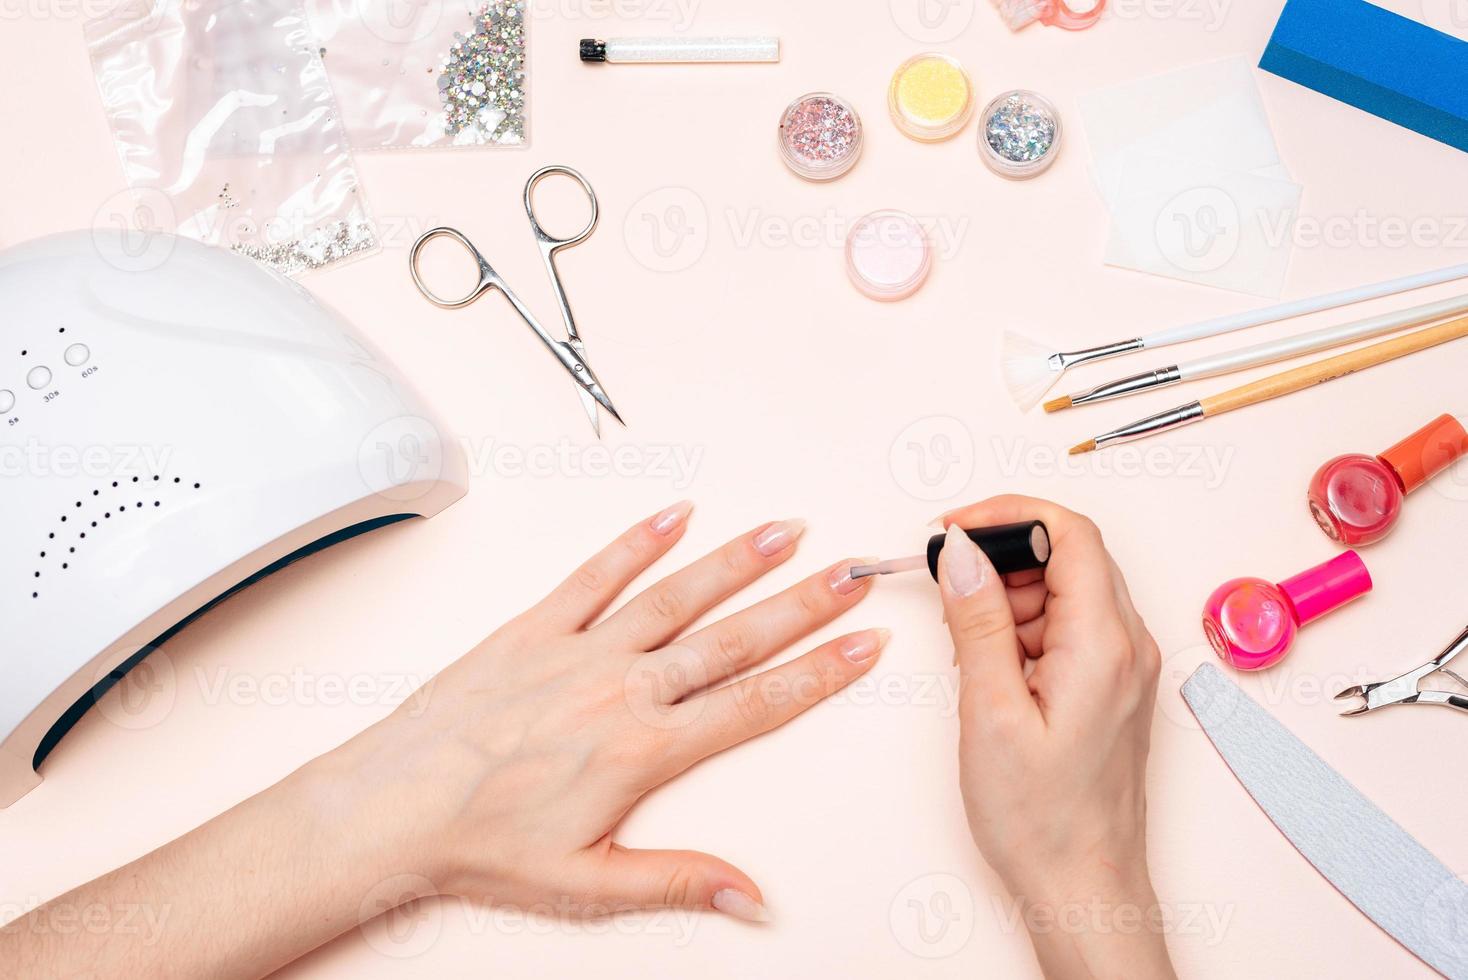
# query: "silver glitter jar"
[[1019, 134]]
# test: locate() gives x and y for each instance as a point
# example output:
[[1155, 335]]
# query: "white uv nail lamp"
[[176, 422]]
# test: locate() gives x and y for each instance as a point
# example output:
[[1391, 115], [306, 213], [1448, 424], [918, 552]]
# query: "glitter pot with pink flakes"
[[820, 136]]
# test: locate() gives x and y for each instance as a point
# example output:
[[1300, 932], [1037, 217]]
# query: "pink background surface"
[[799, 397]]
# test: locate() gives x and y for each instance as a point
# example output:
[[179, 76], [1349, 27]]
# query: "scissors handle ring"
[[487, 278], [540, 233]]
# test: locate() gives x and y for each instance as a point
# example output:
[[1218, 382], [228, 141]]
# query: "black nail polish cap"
[[1010, 547], [593, 50]]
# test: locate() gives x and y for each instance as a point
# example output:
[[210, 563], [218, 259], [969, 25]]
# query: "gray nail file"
[[1358, 848]]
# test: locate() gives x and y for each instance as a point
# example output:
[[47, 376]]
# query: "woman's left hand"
[[502, 780], [527, 752]]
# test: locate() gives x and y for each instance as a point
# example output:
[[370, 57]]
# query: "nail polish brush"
[[1266, 353], [680, 50], [1010, 548]]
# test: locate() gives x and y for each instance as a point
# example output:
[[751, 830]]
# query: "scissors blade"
[[605, 402], [585, 378], [588, 400]]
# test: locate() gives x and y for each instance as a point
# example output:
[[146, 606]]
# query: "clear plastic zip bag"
[[223, 108], [426, 73]]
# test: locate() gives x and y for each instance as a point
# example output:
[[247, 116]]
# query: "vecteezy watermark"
[[401, 458], [35, 459], [677, 15], [299, 686], [74, 10], [675, 464], [133, 230], [1362, 229], [1209, 14], [1202, 921], [144, 685], [391, 21], [143, 688], [932, 21], [1444, 910], [140, 923], [933, 458], [1208, 465], [935, 692], [830, 228], [399, 916], [1199, 229], [565, 916], [667, 230], [656, 684], [402, 917], [1282, 685], [1446, 15], [932, 917]]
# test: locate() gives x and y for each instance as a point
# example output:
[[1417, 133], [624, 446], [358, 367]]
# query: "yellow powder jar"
[[931, 97]]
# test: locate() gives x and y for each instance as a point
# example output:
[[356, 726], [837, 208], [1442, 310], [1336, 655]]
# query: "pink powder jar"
[[820, 136], [888, 256]]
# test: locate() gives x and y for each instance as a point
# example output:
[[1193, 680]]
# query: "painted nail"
[[962, 563], [777, 537], [864, 646], [739, 905], [671, 519], [941, 521], [840, 578]]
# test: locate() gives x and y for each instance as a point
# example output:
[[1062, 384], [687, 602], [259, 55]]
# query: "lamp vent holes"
[[110, 502]]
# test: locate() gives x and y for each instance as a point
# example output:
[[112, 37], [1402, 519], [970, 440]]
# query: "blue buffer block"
[[1375, 60]]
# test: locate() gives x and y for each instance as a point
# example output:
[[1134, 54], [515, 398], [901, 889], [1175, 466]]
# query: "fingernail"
[[777, 537], [841, 581], [739, 905], [864, 646], [671, 519], [961, 562]]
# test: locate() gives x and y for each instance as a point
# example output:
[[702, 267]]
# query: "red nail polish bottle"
[[1357, 499]]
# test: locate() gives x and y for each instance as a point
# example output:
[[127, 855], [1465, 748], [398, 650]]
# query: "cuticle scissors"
[[571, 352]]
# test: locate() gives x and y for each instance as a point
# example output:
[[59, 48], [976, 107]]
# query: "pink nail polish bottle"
[[1357, 499], [1252, 623]]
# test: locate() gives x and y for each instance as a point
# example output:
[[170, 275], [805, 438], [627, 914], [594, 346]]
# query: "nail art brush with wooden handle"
[[1281, 384]]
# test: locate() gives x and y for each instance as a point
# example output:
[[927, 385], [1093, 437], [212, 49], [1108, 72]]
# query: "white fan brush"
[[1031, 368], [1265, 353]]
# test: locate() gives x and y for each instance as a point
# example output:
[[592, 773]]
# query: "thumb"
[[677, 879], [985, 641]]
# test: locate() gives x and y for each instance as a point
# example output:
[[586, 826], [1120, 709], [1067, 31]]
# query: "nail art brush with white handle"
[[1285, 383], [1032, 368], [1266, 353]]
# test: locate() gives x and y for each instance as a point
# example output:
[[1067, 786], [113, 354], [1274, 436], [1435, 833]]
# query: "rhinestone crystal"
[[482, 80]]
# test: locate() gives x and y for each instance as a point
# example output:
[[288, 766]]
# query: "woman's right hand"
[[1053, 764]]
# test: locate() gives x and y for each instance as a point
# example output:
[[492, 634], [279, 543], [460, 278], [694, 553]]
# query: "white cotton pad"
[[1187, 220], [1210, 112]]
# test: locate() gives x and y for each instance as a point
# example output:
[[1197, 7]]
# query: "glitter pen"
[[1010, 547], [678, 50]]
